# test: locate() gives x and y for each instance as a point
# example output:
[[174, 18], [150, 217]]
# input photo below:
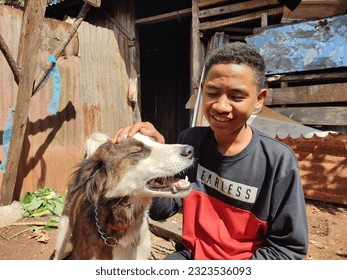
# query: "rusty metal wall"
[[94, 89], [323, 166]]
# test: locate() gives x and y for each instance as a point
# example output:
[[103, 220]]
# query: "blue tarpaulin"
[[303, 46]]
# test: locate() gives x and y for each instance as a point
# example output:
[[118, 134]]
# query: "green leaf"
[[59, 209], [34, 204], [52, 222], [43, 212], [26, 199]]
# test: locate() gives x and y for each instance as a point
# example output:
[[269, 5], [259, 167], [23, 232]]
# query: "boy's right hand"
[[145, 128]]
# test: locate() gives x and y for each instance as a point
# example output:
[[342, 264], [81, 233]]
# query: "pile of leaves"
[[42, 202]]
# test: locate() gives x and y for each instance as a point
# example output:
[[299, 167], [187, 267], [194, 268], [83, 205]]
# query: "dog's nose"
[[188, 151]]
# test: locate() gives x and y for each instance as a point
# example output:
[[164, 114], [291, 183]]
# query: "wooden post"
[[11, 62], [197, 60], [29, 44]]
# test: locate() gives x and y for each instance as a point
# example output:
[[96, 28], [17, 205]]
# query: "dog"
[[109, 195]]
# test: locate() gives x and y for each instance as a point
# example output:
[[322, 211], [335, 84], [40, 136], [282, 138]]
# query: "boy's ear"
[[260, 100]]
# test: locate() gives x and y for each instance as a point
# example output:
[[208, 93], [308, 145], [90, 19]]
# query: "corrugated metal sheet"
[[52, 144], [104, 81], [323, 166], [279, 126], [322, 155], [94, 88], [303, 46]]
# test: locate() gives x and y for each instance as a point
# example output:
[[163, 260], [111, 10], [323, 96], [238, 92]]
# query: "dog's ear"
[[93, 142], [91, 176]]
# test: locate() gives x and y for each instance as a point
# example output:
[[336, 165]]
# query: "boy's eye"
[[212, 94], [238, 98]]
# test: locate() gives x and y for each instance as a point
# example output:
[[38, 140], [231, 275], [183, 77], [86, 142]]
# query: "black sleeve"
[[163, 208], [287, 237]]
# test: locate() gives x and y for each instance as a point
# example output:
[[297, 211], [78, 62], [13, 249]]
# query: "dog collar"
[[119, 228]]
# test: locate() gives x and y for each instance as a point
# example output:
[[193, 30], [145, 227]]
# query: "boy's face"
[[229, 96]]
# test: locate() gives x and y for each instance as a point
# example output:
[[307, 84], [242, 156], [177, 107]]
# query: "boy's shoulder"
[[271, 143]]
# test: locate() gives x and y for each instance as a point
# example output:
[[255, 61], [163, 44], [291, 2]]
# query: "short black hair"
[[238, 53]]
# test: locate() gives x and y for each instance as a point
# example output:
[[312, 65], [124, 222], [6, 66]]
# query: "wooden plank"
[[165, 17], [316, 115], [303, 77], [29, 44], [235, 8], [307, 94], [234, 29], [313, 9], [166, 230], [205, 3], [130, 36], [243, 18]]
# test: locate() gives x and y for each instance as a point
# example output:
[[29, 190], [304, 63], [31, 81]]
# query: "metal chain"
[[109, 241]]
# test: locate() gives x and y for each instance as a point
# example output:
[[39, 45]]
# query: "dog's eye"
[[133, 153]]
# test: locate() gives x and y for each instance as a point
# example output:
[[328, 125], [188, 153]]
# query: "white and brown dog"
[[105, 212]]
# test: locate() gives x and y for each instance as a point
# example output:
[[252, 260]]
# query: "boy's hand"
[[145, 128]]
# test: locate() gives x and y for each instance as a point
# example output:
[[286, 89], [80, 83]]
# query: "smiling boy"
[[247, 200]]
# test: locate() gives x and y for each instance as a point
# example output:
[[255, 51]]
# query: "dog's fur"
[[105, 212]]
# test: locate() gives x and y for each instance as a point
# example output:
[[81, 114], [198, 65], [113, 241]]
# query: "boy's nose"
[[222, 105]]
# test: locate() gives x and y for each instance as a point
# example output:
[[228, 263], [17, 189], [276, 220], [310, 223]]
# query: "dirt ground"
[[327, 237]]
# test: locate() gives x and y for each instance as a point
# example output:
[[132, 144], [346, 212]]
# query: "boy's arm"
[[163, 208], [287, 236]]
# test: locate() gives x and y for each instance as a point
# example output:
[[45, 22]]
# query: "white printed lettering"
[[226, 187]]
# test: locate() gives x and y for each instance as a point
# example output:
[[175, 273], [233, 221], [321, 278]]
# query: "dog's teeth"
[[182, 184]]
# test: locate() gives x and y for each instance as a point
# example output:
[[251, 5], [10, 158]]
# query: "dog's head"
[[137, 166]]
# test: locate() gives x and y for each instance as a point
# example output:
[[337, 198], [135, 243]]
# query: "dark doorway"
[[165, 83]]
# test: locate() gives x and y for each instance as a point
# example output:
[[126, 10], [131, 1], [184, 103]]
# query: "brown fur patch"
[[88, 187]]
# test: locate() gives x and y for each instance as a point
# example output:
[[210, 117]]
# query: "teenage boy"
[[247, 199]]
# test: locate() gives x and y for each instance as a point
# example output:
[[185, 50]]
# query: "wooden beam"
[[10, 60], [243, 18], [205, 3], [130, 36], [235, 29], [165, 17], [307, 94], [30, 41], [71, 32], [317, 77], [235, 8], [316, 115], [166, 230]]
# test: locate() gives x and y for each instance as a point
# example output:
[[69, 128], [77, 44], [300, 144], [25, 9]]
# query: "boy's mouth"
[[220, 119]]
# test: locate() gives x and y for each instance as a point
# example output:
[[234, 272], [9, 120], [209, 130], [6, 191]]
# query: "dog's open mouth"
[[168, 184]]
